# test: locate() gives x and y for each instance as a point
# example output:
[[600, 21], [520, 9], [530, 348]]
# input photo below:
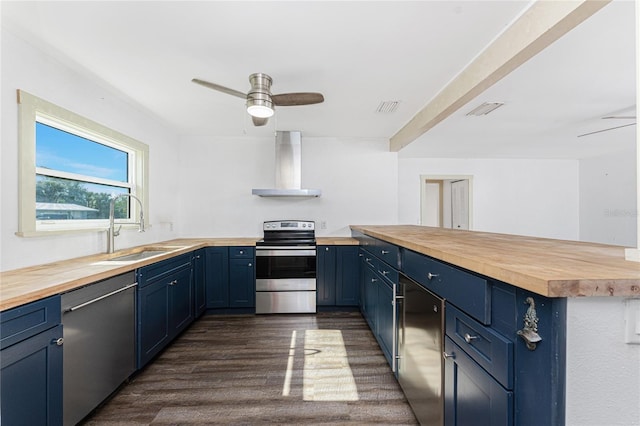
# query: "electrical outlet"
[[323, 224], [632, 322]]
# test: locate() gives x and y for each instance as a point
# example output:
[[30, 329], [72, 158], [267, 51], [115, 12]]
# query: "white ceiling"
[[357, 54]]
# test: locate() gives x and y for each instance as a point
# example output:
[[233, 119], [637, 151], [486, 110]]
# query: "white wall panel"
[[358, 179], [27, 68], [608, 193], [524, 197]]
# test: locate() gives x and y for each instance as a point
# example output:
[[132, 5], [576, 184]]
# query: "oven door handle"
[[289, 252]]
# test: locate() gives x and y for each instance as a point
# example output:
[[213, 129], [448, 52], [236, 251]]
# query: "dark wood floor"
[[264, 369]]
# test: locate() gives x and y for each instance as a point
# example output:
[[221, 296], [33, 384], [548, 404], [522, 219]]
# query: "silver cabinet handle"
[[384, 251], [373, 280], [241, 252], [326, 249], [468, 338], [198, 257], [250, 265], [104, 296], [447, 356], [59, 341], [174, 282], [430, 275]]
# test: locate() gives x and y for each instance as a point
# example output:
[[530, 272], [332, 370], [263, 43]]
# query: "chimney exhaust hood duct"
[[288, 170]]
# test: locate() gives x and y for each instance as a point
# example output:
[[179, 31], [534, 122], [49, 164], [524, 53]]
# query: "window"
[[71, 167]]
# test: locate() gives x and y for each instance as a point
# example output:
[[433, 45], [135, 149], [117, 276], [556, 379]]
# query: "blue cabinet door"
[[242, 278], [326, 275], [199, 283], [385, 314], [153, 320], [217, 277], [471, 395], [31, 377], [180, 301], [347, 276], [371, 298]]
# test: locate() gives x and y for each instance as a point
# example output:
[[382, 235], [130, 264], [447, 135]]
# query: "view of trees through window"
[[77, 177], [63, 199]]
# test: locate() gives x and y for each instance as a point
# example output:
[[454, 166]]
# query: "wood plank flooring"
[[264, 369]]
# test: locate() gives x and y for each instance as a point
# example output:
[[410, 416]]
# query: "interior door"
[[460, 204]]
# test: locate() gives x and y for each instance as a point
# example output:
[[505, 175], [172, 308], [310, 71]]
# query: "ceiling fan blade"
[[302, 98], [259, 121], [219, 88], [606, 130]]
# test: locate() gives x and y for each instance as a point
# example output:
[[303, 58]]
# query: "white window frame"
[[32, 109]]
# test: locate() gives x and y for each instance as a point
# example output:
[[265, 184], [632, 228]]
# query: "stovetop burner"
[[290, 233]]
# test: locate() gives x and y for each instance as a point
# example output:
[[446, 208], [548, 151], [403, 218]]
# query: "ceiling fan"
[[614, 117], [260, 100]]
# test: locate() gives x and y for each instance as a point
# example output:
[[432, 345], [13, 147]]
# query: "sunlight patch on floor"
[[286, 388], [327, 375]]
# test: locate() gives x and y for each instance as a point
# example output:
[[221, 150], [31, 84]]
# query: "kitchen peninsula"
[[584, 371]]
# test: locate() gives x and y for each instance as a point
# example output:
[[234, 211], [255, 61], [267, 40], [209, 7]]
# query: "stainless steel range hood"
[[288, 169]]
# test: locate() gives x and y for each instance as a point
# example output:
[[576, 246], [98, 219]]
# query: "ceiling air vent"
[[387, 106], [485, 108]]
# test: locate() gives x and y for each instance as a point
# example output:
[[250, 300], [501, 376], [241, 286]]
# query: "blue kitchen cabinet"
[[242, 277], [165, 305], [31, 364], [199, 282], [217, 277], [385, 313], [471, 395], [231, 278], [347, 275], [337, 275], [326, 275]]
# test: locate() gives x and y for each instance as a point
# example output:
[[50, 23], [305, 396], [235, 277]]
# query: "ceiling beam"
[[540, 25]]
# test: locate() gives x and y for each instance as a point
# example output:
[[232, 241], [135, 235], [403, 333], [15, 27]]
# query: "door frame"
[[423, 191]]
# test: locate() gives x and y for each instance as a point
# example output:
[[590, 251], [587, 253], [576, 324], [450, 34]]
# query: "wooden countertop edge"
[[580, 287]]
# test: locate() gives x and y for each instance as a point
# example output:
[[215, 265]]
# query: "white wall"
[[603, 373], [523, 197], [358, 179], [608, 193], [26, 67]]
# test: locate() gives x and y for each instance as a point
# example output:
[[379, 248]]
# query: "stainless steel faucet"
[[111, 231]]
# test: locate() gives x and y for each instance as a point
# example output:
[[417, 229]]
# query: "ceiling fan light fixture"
[[260, 109]]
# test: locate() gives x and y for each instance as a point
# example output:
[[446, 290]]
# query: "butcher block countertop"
[[25, 285], [552, 268]]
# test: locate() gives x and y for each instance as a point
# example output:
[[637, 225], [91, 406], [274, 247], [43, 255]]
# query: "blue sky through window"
[[63, 151]]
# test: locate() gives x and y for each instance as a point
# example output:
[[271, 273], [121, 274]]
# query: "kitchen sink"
[[139, 255]]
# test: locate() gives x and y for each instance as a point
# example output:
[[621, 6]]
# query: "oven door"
[[285, 268]]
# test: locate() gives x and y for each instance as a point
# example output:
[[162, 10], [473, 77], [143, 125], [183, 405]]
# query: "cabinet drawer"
[[468, 292], [486, 347], [150, 273], [245, 252], [25, 321], [387, 252]]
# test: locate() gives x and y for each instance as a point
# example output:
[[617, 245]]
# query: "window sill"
[[52, 232]]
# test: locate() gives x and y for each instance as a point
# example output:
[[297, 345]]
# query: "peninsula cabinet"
[[31, 364], [165, 304], [230, 278], [337, 275]]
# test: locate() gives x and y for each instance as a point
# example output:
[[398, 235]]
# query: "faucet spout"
[[111, 231]]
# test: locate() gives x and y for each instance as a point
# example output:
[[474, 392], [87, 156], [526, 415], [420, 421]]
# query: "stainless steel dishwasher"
[[99, 343], [420, 345]]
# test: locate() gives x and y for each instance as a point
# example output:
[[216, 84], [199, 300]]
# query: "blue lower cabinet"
[[217, 277], [385, 314], [347, 275], [165, 306], [242, 279], [471, 395], [199, 283], [31, 364], [326, 275]]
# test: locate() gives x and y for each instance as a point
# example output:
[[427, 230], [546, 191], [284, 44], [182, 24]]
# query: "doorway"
[[446, 201]]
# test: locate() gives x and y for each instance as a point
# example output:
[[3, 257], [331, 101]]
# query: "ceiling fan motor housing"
[[260, 93]]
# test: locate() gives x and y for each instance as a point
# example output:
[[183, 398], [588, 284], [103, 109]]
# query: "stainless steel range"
[[286, 268]]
